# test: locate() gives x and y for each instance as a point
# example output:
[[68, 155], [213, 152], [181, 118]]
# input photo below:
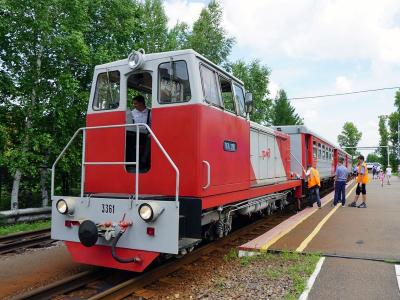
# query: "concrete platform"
[[271, 237], [354, 279], [360, 244], [370, 233]]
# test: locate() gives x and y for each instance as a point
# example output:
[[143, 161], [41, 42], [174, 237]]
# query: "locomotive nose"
[[88, 233]]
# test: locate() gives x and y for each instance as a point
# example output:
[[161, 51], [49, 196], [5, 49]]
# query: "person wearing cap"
[[314, 183], [362, 180]]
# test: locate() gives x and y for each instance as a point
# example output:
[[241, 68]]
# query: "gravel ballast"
[[265, 276]]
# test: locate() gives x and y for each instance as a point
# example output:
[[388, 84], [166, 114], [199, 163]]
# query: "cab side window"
[[210, 87], [239, 95], [173, 82], [227, 94], [107, 92]]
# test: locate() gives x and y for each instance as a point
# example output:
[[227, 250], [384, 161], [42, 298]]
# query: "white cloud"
[[273, 88], [343, 84], [299, 36], [342, 29], [182, 11]]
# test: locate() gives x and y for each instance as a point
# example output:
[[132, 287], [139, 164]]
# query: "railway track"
[[14, 242], [223, 245]]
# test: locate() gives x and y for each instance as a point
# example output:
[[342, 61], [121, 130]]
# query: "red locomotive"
[[158, 190]]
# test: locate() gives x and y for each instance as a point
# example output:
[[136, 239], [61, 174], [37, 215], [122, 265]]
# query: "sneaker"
[[362, 205], [343, 205], [352, 204]]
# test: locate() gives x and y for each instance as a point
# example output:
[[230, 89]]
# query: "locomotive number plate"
[[108, 208]]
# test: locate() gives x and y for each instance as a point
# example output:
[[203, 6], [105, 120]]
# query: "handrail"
[[208, 174], [298, 163], [84, 162]]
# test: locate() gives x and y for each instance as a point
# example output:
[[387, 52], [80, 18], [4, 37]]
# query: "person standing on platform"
[[340, 184], [314, 184], [381, 177], [373, 171], [362, 180], [388, 174]]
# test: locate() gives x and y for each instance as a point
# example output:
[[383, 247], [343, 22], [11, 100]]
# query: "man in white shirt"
[[388, 174], [140, 113]]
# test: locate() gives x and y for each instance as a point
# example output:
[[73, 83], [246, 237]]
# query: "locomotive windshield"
[[173, 82], [107, 91]]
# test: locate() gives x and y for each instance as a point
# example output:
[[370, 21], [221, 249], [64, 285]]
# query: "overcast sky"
[[318, 47]]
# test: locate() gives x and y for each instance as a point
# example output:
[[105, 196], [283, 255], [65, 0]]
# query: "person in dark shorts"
[[362, 180]]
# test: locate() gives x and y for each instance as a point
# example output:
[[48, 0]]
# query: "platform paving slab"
[[264, 241], [372, 232], [348, 279]]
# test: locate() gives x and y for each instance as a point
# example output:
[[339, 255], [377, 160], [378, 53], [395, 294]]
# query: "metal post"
[[137, 165], [83, 162], [387, 148]]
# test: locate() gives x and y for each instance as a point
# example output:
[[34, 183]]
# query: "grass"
[[220, 283], [22, 227], [286, 265], [231, 255]]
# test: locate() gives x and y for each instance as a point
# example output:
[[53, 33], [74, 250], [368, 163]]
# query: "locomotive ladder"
[[85, 163]]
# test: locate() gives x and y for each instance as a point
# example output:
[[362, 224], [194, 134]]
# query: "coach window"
[[173, 82], [107, 92], [319, 150], [239, 95], [210, 87], [323, 152], [226, 94], [314, 150]]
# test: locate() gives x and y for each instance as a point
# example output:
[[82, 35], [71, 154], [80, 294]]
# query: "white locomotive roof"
[[294, 129], [161, 55]]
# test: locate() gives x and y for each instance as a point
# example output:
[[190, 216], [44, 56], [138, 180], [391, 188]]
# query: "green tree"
[[349, 137], [384, 140], [178, 37], [393, 123], [373, 157], [255, 78], [397, 101], [208, 37], [283, 113], [153, 35]]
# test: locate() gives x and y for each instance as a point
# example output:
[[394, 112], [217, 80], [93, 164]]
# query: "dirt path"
[[34, 268]]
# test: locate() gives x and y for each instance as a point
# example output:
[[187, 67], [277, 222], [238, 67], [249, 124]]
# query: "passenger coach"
[[308, 148], [206, 162]]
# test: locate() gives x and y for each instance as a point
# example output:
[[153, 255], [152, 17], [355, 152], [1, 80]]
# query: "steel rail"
[[62, 286], [10, 243]]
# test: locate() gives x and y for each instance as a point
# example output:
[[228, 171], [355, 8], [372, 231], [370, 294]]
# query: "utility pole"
[[387, 149]]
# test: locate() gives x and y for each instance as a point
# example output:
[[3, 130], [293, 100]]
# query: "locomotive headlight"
[[135, 59], [149, 212], [146, 212], [65, 206]]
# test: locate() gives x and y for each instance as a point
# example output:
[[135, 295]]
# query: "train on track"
[[158, 191]]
